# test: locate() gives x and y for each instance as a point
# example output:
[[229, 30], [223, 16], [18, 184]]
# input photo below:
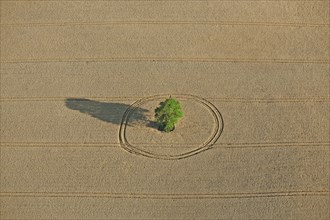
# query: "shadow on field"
[[108, 112]]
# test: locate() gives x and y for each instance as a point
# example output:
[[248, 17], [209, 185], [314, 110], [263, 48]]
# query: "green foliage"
[[167, 114]]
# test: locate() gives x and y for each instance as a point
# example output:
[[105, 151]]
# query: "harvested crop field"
[[80, 81]]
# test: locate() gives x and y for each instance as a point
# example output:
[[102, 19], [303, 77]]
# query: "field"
[[80, 81]]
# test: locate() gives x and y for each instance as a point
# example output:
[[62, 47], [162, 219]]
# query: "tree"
[[167, 114]]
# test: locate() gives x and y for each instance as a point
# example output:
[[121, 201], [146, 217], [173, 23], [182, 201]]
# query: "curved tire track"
[[217, 130]]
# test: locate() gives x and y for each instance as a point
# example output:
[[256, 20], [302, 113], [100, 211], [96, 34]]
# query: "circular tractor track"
[[216, 132]]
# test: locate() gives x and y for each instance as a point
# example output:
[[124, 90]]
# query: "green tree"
[[167, 114]]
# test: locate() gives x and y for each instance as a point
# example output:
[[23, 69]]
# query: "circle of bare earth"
[[216, 132]]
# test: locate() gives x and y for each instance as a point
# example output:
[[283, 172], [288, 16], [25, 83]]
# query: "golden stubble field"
[[80, 81]]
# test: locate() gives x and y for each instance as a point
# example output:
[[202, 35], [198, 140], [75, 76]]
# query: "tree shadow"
[[108, 112]]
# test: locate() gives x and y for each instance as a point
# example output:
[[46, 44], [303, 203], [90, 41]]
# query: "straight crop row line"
[[219, 99], [107, 23], [163, 59], [117, 145], [165, 195]]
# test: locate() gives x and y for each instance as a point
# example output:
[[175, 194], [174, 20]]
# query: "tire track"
[[117, 145], [217, 130], [219, 99], [166, 195]]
